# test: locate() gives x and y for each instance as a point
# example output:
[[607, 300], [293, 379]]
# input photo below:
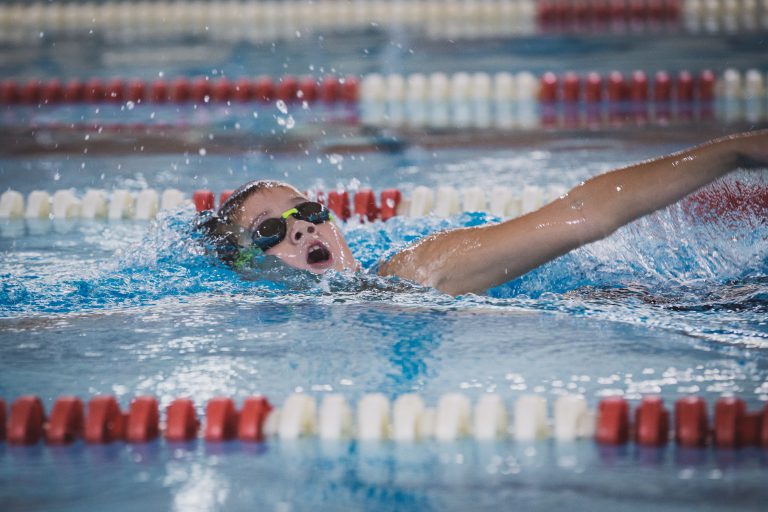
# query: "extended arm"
[[475, 259]]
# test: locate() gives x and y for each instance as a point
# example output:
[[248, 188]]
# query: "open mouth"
[[318, 254]]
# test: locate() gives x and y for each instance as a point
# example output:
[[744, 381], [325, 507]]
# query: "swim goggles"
[[272, 231]]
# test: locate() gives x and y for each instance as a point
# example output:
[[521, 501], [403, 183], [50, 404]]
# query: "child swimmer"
[[276, 219]]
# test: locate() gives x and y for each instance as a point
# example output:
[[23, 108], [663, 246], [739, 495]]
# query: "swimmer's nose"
[[299, 228]]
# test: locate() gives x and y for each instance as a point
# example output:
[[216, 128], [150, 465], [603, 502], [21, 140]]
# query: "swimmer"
[[276, 219]]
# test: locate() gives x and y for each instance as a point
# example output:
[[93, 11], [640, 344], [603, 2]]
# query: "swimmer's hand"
[[475, 259], [751, 149]]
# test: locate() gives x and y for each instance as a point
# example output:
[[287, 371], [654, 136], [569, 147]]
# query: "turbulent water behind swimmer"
[[697, 268]]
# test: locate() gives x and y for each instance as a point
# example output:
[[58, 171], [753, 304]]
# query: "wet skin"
[[306, 246], [475, 259]]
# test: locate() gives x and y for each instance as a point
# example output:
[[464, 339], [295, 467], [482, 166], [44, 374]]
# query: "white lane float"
[[11, 205], [407, 412], [530, 418], [373, 417], [452, 420], [335, 418], [297, 417], [490, 419], [38, 205]]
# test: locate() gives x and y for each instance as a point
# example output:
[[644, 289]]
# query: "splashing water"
[[704, 276]]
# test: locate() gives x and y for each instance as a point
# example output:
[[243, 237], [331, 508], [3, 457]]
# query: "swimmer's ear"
[[218, 234], [207, 223]]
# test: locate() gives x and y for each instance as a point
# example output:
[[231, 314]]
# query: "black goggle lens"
[[272, 231]]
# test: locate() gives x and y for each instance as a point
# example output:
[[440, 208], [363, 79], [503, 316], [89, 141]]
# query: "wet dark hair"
[[218, 227]]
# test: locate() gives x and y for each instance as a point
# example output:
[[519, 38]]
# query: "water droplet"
[[290, 122], [255, 115], [130, 105], [202, 151], [281, 106], [335, 158]]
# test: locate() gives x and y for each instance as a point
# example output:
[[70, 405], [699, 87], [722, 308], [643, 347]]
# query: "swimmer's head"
[[262, 216]]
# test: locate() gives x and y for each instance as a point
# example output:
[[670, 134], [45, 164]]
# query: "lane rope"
[[406, 419]]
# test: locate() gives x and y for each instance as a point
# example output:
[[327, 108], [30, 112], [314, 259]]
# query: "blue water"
[[669, 305]]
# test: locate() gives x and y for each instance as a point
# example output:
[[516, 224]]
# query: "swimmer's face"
[[306, 246]]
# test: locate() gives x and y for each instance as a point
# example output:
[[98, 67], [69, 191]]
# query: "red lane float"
[[220, 420], [548, 88], [764, 428], [390, 200], [593, 89], [66, 422], [350, 90], [613, 421], [330, 89], [104, 422], [242, 91], [115, 90], [365, 205], [52, 92], [252, 417], [158, 91], [136, 91], [143, 422], [338, 203], [571, 88], [264, 89], [729, 416], [287, 88], [180, 91], [651, 422], [203, 200], [25, 425], [685, 87], [2, 420], [307, 89], [691, 423], [749, 432], [181, 423], [200, 90], [662, 87], [94, 91], [222, 91], [74, 91], [224, 196], [9, 92], [707, 84]]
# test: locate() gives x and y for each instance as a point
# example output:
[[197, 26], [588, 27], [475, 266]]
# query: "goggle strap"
[[290, 212]]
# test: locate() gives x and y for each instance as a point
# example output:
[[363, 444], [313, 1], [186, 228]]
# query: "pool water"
[[670, 305]]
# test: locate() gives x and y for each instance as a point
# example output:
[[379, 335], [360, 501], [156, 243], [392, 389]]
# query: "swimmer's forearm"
[[475, 259], [616, 198]]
